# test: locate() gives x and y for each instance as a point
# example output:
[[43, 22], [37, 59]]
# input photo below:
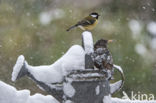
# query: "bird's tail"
[[71, 27]]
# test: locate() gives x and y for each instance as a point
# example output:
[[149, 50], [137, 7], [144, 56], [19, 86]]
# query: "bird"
[[102, 57], [88, 23]]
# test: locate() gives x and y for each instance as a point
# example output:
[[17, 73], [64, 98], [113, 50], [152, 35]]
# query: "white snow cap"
[[73, 59], [17, 67], [88, 42]]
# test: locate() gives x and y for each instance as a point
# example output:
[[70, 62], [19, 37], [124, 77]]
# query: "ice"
[[17, 67], [151, 27], [9, 94], [88, 45]]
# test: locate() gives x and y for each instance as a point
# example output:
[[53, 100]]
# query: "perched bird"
[[88, 23], [102, 57]]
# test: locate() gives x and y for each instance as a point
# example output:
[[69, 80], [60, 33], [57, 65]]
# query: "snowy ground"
[[9, 94]]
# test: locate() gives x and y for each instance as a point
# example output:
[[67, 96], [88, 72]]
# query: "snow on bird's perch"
[[73, 59], [88, 42]]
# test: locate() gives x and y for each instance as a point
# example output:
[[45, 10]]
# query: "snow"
[[17, 67], [107, 99], [68, 89], [9, 94], [119, 68], [88, 42], [68, 101], [97, 90], [39, 98], [135, 27], [45, 18], [151, 27], [153, 43], [48, 16], [115, 86], [140, 49], [72, 60]]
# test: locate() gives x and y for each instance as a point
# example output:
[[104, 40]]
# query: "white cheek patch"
[[94, 16]]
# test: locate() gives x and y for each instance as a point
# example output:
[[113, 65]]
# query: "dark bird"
[[102, 57], [88, 23]]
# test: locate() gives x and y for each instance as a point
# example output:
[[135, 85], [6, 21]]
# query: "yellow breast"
[[90, 27]]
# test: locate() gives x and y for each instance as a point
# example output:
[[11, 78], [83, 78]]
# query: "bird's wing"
[[86, 21]]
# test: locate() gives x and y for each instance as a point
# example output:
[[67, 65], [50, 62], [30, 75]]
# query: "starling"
[[102, 57]]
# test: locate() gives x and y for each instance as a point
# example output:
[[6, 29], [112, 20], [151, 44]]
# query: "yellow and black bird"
[[88, 23]]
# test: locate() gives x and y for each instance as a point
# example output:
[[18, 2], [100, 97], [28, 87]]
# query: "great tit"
[[88, 23]]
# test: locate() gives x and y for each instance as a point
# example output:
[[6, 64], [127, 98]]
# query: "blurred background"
[[37, 29]]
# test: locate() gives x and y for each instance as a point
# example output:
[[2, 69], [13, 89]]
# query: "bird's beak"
[[110, 41]]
